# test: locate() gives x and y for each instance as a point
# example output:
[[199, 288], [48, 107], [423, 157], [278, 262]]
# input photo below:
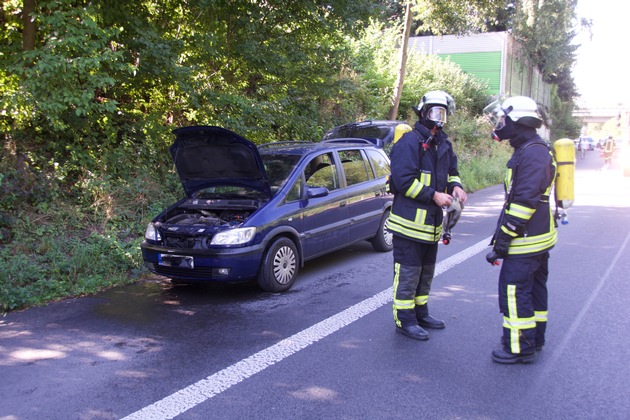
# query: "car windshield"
[[278, 167]]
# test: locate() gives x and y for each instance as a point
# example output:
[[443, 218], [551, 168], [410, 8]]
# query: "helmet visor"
[[437, 114], [496, 115]]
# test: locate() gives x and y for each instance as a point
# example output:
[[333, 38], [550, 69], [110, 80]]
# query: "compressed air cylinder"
[[565, 180], [400, 130]]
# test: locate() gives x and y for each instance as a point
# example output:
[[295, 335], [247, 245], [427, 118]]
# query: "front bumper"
[[222, 265]]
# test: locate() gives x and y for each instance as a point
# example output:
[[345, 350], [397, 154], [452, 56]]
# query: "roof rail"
[[284, 143], [354, 140]]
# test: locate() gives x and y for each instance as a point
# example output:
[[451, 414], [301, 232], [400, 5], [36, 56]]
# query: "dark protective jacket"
[[527, 216], [420, 168]]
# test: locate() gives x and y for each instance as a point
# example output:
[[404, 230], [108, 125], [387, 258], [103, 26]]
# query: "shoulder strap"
[[518, 159], [421, 143]]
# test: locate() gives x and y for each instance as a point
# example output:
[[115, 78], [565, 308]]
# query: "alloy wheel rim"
[[284, 265]]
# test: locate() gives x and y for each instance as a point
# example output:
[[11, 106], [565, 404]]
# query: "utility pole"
[[393, 111]]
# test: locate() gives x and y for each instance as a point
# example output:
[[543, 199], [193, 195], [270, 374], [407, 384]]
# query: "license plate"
[[180, 261]]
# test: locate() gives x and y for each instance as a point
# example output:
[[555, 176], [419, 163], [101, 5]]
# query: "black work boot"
[[499, 355], [430, 322], [414, 331], [427, 321]]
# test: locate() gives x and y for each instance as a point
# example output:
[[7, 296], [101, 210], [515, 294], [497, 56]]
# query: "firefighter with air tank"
[[526, 229], [424, 179]]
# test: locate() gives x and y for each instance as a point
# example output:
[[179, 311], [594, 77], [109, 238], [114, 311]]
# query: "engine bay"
[[209, 218], [193, 223]]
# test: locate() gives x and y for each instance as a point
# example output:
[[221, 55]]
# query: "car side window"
[[354, 167], [379, 163], [322, 172], [295, 193]]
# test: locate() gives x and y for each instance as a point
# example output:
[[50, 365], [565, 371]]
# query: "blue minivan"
[[259, 212]]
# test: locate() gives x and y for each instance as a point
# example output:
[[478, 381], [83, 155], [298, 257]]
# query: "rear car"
[[382, 133], [260, 212]]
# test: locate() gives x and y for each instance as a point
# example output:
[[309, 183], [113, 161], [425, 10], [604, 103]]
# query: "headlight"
[[152, 234], [234, 236]]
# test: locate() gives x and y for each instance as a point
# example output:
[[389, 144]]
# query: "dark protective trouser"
[[414, 267], [523, 302]]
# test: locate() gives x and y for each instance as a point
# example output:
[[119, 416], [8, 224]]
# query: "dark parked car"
[[380, 132], [260, 212]]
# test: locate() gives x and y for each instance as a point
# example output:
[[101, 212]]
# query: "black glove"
[[502, 244]]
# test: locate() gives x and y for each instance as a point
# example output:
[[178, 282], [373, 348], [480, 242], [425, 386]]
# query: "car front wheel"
[[279, 267], [383, 241]]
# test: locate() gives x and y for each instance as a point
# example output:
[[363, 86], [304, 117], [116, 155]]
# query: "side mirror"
[[315, 192]]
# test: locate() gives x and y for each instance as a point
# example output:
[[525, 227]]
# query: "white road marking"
[[186, 398]]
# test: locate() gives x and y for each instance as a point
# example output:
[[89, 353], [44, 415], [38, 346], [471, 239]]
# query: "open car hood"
[[209, 156]]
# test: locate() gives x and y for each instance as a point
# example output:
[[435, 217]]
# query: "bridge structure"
[[599, 115], [602, 114]]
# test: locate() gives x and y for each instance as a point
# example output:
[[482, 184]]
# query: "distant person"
[[609, 149], [583, 146], [424, 179], [525, 230]]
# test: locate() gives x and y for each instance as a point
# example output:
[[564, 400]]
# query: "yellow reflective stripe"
[[519, 211], [414, 189], [509, 232], [414, 229], [454, 179], [512, 321], [519, 323], [530, 244], [508, 179], [515, 344], [536, 243], [396, 278], [417, 185], [417, 224], [421, 300], [540, 316], [404, 304], [396, 283]]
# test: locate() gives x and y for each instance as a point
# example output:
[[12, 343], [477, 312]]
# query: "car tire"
[[383, 241], [279, 267]]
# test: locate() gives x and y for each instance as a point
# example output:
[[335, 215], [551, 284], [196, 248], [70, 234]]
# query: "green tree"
[[563, 124], [460, 17], [546, 31]]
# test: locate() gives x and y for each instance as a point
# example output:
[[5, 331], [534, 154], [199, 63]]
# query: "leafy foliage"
[[375, 62], [545, 29], [460, 17], [564, 125]]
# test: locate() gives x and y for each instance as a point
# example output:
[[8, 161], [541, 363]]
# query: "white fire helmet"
[[444, 102], [521, 110]]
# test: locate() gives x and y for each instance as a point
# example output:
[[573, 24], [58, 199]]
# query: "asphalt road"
[[327, 349]]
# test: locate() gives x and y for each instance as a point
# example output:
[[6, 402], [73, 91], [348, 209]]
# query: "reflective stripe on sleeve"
[[519, 211]]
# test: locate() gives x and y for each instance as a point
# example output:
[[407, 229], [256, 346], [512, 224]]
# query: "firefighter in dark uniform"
[[424, 179], [525, 231]]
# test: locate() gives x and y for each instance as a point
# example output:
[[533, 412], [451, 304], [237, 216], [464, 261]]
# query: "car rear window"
[[354, 166], [379, 163], [370, 132]]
